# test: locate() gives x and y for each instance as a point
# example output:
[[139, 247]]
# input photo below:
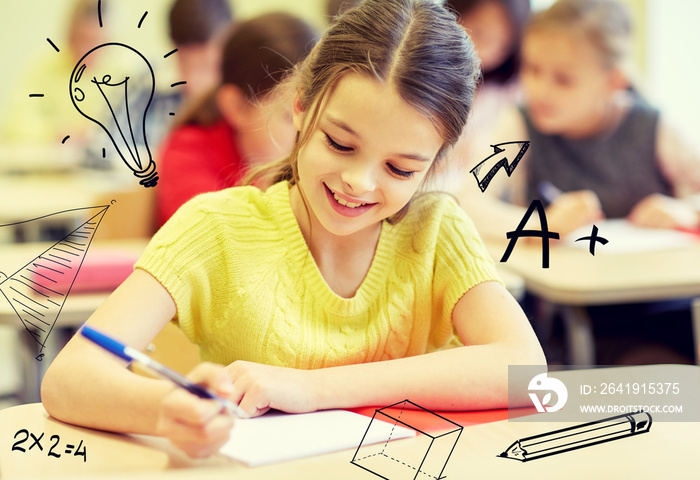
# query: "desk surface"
[[575, 277], [666, 451], [30, 196]]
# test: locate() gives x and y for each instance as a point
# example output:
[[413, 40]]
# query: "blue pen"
[[548, 191], [131, 354]]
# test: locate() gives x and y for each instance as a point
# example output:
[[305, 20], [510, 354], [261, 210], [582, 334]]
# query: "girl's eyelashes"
[[336, 146], [332, 144], [399, 172]]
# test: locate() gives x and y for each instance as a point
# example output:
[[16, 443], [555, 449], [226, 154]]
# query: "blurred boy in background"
[[47, 120]]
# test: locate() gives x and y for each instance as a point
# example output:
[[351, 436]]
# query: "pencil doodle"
[[579, 436], [116, 94], [436, 449], [498, 161], [39, 289]]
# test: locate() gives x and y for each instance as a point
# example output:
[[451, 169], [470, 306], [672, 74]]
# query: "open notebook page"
[[624, 237], [278, 437]]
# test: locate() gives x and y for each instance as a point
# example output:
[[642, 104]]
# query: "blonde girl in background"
[[601, 145], [598, 150], [337, 286]]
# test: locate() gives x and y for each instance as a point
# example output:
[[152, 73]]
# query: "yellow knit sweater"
[[247, 288]]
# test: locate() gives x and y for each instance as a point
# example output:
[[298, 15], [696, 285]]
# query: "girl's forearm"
[[87, 386], [97, 392], [465, 378]]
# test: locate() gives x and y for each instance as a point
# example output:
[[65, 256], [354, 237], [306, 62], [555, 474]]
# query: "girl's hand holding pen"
[[198, 426]]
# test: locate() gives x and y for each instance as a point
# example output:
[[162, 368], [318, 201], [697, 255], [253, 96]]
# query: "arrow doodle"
[[498, 162], [38, 290]]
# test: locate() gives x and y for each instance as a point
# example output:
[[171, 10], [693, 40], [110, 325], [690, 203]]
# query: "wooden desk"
[[38, 196], [666, 451], [576, 279]]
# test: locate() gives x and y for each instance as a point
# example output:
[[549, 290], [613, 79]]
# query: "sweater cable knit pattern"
[[247, 288]]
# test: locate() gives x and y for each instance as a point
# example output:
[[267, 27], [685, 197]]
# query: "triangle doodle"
[[38, 290]]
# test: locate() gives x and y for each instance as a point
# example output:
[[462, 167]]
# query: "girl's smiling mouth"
[[346, 207]]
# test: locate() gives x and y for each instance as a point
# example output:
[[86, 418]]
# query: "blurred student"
[[597, 151], [48, 119], [198, 30], [609, 153], [496, 28], [234, 128]]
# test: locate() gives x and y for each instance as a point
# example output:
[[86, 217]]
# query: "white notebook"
[[278, 437], [624, 237]]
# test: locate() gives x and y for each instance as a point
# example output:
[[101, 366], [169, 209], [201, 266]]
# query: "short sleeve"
[[461, 259], [183, 257]]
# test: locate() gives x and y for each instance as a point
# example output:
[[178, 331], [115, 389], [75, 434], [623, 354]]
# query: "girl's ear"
[[297, 113], [233, 105]]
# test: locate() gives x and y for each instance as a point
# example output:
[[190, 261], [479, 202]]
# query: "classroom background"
[[665, 35], [664, 69]]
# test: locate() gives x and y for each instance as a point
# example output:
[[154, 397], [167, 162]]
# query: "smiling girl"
[[339, 285]]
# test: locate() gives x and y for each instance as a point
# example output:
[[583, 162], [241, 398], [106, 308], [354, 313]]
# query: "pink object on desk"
[[423, 421], [693, 231], [101, 271]]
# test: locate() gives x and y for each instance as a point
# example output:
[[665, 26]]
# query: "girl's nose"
[[358, 178]]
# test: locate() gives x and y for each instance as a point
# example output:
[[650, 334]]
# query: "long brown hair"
[[518, 12], [414, 45], [256, 56], [196, 22]]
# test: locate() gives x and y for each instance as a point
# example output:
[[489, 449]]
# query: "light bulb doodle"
[[120, 103], [92, 86], [38, 290]]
